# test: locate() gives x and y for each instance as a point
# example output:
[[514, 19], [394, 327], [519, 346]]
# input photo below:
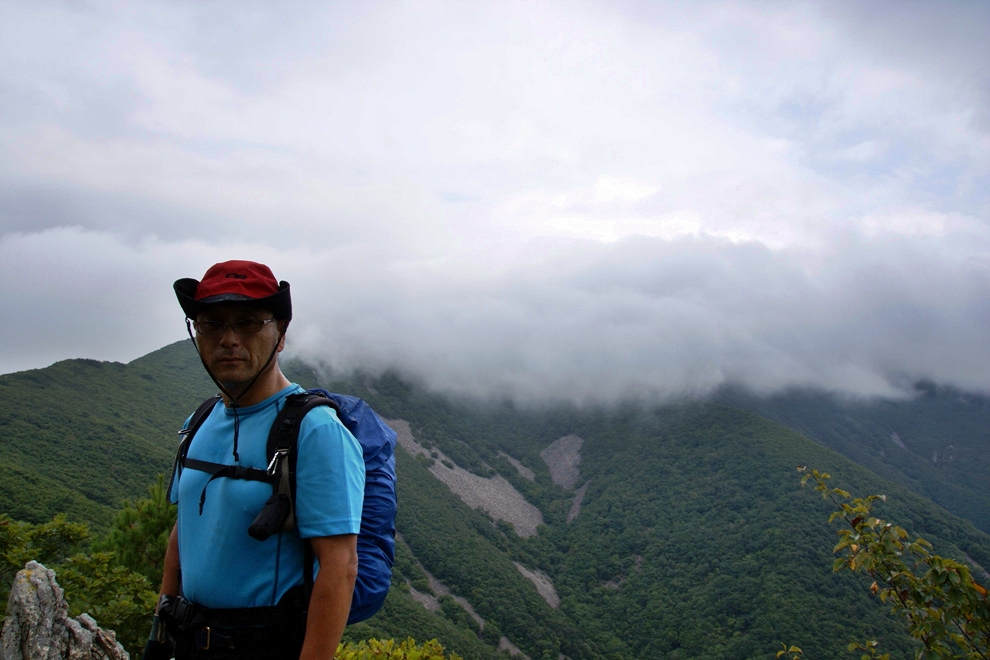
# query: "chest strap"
[[218, 470]]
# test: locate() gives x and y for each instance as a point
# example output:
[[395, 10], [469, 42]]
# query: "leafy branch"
[[945, 609], [374, 649]]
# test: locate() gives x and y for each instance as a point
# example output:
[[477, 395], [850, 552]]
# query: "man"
[[241, 597]]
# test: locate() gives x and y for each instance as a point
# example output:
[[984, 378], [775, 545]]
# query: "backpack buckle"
[[273, 465]]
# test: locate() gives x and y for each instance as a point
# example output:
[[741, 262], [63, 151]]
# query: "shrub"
[[374, 649], [944, 608]]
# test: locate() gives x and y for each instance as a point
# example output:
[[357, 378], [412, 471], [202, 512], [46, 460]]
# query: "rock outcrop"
[[38, 626], [563, 457]]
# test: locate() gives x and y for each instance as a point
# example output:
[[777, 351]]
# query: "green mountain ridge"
[[935, 443], [81, 436], [693, 540]]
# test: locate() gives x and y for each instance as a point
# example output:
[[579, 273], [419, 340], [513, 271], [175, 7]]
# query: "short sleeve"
[[329, 477]]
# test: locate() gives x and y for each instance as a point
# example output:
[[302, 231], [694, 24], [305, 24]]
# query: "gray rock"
[[38, 626]]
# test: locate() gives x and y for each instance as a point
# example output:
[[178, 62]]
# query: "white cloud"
[[538, 198]]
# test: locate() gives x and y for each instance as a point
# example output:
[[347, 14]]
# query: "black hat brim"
[[279, 304]]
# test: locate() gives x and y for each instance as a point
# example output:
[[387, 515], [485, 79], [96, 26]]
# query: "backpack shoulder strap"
[[282, 439], [285, 429], [187, 432], [284, 435]]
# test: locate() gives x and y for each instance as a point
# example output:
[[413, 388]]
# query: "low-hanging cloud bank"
[[569, 320], [652, 318]]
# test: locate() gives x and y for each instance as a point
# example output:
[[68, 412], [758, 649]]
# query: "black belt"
[[239, 638], [252, 632]]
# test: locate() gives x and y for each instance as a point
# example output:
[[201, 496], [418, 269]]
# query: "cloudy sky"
[[563, 199]]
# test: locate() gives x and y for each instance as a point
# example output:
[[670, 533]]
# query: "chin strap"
[[234, 400]]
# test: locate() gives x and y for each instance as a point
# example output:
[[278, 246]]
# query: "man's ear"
[[282, 327]]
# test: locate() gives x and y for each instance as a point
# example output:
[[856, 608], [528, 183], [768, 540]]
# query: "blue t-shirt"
[[222, 566]]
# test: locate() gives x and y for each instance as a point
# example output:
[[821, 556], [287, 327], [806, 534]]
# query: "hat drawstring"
[[237, 431]]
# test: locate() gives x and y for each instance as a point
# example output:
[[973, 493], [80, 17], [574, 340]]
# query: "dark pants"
[[256, 633]]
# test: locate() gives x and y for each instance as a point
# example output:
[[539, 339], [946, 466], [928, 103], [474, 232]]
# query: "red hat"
[[245, 282]]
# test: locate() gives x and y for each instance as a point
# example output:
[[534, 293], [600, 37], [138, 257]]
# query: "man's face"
[[234, 357]]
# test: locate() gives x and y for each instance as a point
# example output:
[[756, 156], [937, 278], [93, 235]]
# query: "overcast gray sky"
[[564, 199]]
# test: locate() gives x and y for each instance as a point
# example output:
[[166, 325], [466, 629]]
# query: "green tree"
[[139, 534], [117, 582], [944, 608], [49, 543], [118, 598]]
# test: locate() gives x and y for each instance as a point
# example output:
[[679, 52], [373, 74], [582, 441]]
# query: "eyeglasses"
[[241, 327]]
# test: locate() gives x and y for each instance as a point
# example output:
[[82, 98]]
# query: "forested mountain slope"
[[682, 533], [81, 436], [937, 443], [693, 539]]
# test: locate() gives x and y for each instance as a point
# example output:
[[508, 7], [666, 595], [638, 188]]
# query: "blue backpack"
[[376, 540]]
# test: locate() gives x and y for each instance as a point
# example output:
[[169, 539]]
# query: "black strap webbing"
[[187, 433], [217, 470], [224, 470], [283, 436]]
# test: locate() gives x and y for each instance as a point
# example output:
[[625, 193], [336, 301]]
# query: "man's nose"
[[228, 336]]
